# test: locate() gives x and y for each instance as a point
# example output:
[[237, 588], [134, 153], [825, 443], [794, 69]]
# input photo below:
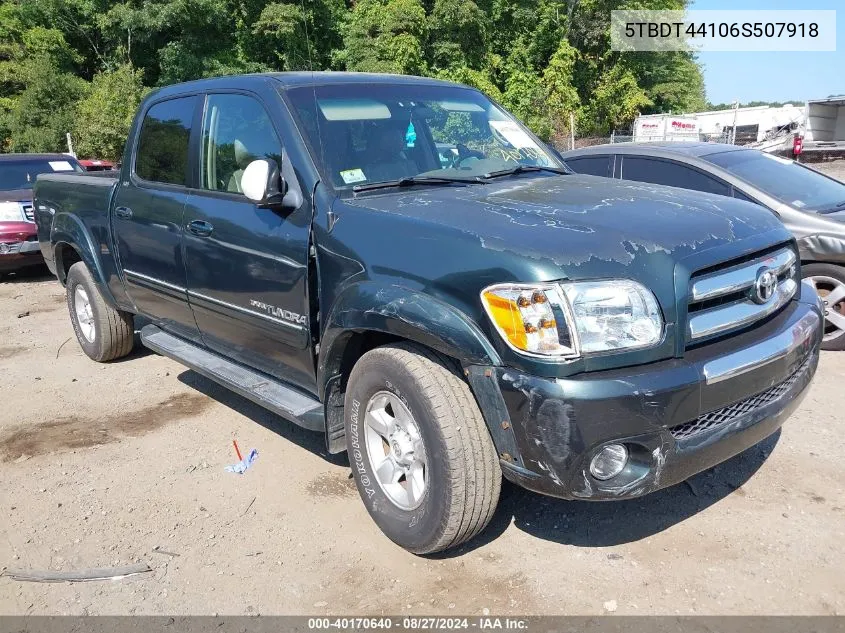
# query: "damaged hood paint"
[[577, 220]]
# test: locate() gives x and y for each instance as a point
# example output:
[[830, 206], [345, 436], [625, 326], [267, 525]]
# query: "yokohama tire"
[[462, 474]]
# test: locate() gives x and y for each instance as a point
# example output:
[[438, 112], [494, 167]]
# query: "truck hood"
[[17, 230], [577, 220], [16, 195]]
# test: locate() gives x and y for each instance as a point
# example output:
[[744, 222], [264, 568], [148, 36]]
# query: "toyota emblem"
[[764, 286], [4, 248]]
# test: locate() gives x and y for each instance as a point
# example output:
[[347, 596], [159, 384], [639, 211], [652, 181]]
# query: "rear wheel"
[[103, 332], [422, 457], [829, 281]]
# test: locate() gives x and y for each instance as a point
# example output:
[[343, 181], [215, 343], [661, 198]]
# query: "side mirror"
[[262, 183]]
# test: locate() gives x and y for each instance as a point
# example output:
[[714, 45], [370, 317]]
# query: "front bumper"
[[676, 417], [17, 255]]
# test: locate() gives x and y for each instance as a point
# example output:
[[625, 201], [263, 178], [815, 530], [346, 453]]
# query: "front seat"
[[243, 157]]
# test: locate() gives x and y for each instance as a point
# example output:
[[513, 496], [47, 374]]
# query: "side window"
[[741, 196], [236, 130], [162, 154], [664, 172], [595, 165]]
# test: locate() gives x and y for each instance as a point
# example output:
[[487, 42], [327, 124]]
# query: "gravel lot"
[[110, 464]]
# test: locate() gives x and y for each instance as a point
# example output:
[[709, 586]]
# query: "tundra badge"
[[279, 313]]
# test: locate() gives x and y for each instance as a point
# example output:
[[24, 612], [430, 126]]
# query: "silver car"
[[810, 204]]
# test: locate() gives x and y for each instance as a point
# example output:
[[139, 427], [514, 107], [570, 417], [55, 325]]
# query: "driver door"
[[246, 266]]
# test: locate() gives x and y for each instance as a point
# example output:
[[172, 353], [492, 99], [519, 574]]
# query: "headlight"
[[11, 212], [569, 319]]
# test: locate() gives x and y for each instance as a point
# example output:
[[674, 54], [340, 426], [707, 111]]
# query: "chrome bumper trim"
[[801, 334]]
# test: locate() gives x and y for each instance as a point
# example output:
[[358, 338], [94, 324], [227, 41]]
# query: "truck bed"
[[87, 196]]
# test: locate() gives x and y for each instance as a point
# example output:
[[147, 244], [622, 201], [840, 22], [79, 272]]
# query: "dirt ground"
[[105, 465], [832, 168]]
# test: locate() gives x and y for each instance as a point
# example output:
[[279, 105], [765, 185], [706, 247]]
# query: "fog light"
[[609, 462]]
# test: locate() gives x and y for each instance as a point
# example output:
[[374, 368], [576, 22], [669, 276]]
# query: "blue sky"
[[775, 76]]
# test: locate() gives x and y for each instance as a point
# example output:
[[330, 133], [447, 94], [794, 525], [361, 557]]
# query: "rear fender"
[[68, 230]]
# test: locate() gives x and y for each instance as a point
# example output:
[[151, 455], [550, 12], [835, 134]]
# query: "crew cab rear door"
[[147, 214], [247, 267]]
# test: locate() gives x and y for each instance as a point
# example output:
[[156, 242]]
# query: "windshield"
[[365, 133], [21, 174], [786, 180]]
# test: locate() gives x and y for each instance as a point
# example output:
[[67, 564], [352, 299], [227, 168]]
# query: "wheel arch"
[[369, 315], [73, 242]]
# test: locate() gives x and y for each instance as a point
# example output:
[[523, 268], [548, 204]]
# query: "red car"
[[18, 239], [94, 164]]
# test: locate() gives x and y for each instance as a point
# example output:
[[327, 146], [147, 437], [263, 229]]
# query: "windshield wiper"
[[417, 180], [521, 169]]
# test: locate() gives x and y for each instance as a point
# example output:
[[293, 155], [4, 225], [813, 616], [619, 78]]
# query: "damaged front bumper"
[[675, 417]]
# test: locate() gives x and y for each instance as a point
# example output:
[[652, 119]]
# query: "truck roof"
[[299, 79]]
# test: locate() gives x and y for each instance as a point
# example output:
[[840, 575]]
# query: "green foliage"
[[386, 36], [104, 116], [43, 112], [86, 62], [457, 35], [616, 100]]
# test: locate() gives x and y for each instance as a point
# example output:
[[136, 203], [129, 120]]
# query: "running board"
[[267, 392]]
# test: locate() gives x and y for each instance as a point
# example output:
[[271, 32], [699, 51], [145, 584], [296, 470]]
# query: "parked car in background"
[[810, 204], [285, 236], [93, 164], [18, 233]]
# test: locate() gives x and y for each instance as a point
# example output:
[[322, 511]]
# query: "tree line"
[[82, 66]]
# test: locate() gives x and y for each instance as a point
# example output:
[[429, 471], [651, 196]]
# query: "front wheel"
[[829, 281], [421, 455]]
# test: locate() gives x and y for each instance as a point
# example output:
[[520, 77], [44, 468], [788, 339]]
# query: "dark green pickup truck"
[[398, 263]]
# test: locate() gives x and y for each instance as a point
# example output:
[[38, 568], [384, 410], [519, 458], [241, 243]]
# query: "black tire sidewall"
[[77, 277], [827, 270], [415, 530]]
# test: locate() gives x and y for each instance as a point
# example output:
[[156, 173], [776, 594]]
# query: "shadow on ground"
[[580, 523], [309, 440], [608, 523], [27, 275]]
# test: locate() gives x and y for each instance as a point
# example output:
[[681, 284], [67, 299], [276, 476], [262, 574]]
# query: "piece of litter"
[[610, 606], [245, 463], [249, 506], [158, 550], [23, 314], [85, 575]]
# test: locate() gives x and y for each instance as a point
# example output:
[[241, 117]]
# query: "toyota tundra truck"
[[447, 318]]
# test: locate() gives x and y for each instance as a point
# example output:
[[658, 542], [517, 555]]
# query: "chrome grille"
[[737, 409], [26, 207], [7, 248], [723, 300]]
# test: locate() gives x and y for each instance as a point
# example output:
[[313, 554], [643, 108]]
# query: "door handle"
[[200, 228], [123, 212]]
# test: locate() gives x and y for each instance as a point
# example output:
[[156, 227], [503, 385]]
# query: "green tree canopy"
[[81, 65]]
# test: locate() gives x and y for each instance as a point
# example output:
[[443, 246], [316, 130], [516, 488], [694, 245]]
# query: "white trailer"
[[665, 127], [824, 125]]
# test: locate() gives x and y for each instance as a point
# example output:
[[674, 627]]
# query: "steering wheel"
[[465, 153]]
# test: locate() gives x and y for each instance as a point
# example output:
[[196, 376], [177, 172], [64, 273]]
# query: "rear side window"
[[664, 172], [594, 165], [162, 154]]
